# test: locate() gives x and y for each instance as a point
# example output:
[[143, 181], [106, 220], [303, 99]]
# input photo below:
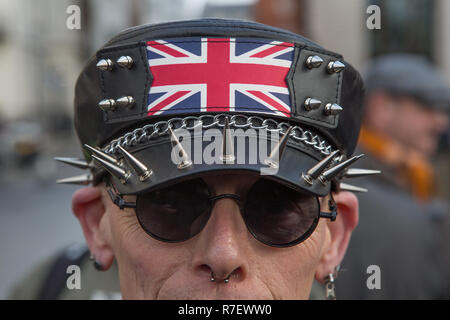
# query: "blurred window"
[[406, 26]]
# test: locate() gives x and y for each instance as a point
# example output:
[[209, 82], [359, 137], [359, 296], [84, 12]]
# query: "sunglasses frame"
[[332, 214]]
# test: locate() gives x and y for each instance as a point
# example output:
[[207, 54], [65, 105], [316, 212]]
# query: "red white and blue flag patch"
[[219, 74]]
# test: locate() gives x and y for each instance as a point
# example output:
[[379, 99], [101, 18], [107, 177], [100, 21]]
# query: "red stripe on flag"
[[166, 49], [270, 101], [167, 101], [273, 49]]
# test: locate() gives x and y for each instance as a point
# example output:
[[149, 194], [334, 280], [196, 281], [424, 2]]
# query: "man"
[[400, 230], [216, 150]]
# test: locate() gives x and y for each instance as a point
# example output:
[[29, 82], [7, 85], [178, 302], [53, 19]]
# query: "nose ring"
[[213, 278]]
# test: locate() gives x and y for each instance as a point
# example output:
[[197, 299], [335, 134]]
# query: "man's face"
[[151, 269], [416, 125]]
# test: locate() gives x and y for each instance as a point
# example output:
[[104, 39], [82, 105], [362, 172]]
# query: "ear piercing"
[[97, 264]]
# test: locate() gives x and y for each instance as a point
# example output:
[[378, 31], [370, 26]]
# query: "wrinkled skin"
[[151, 269]]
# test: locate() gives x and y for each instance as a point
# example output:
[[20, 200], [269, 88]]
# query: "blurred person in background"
[[401, 227]]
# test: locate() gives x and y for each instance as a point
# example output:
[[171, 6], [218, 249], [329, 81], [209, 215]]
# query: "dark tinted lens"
[[278, 215], [175, 213]]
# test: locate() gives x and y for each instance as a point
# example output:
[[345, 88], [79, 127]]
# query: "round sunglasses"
[[274, 214]]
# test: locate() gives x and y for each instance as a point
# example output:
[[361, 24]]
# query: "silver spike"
[[107, 104], [316, 170], [125, 62], [102, 154], [227, 155], [274, 158], [105, 65], [116, 171], [349, 187], [83, 179], [334, 171], [75, 162], [185, 161], [335, 67], [313, 62], [312, 103], [125, 102], [141, 169], [332, 109], [355, 172]]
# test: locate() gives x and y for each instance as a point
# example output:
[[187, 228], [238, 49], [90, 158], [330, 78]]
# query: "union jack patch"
[[193, 75]]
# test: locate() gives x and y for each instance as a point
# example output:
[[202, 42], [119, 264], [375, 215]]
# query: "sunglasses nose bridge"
[[232, 196], [226, 212]]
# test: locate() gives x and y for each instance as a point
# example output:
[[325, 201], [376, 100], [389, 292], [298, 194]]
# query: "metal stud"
[[334, 171], [335, 67], [274, 158], [141, 169], [125, 102], [312, 103], [102, 154], [355, 172], [349, 187], [125, 62], [185, 161], [227, 155], [116, 171], [83, 179], [107, 104], [316, 170], [105, 65], [332, 109], [75, 162], [313, 62]]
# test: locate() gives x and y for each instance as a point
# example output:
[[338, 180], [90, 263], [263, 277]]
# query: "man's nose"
[[222, 247]]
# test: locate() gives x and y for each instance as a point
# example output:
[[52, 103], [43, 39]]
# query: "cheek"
[[415, 124], [293, 269], [141, 275]]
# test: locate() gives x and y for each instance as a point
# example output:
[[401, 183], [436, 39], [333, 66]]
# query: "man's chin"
[[220, 293]]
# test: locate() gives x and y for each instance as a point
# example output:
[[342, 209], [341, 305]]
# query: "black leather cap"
[[142, 81]]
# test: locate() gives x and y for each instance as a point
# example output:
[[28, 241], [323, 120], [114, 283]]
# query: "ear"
[[340, 231], [88, 207]]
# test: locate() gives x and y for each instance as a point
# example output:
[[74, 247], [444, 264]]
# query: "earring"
[[330, 293], [97, 264]]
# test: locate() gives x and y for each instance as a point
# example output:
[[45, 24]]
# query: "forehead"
[[239, 180]]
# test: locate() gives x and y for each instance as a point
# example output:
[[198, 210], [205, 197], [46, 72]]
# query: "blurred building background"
[[40, 59]]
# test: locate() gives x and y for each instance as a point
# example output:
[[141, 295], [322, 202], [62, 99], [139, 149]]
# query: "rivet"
[[311, 104], [105, 65], [125, 62], [314, 62], [107, 104]]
